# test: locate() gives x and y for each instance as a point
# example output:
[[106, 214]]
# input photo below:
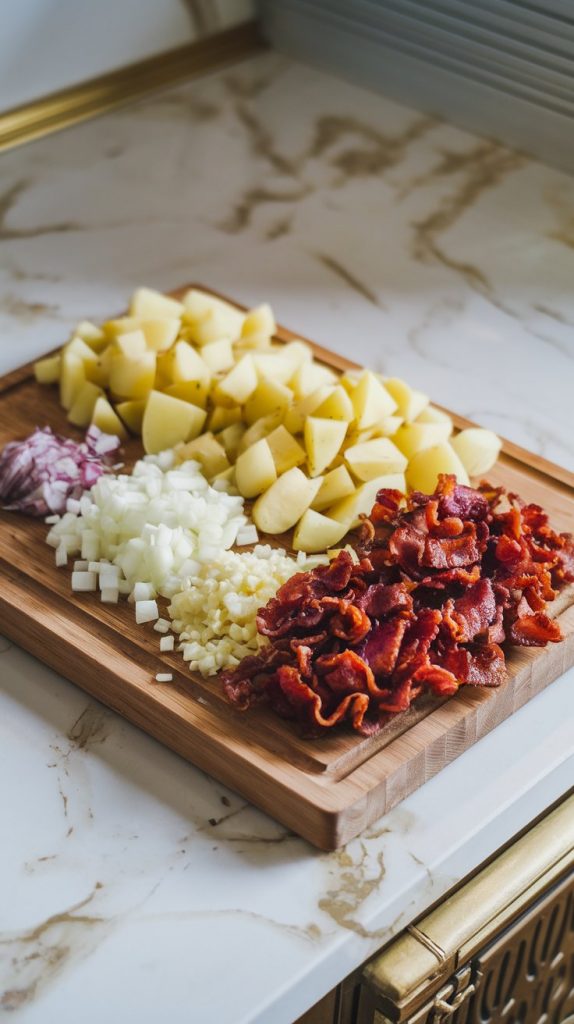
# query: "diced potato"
[[168, 421], [93, 336], [210, 318], [72, 378], [194, 391], [47, 370], [425, 466], [99, 372], [359, 436], [82, 408], [310, 376], [269, 396], [221, 417], [371, 401], [240, 382], [259, 321], [337, 406], [208, 452], [132, 344], [122, 325], [297, 413], [297, 351], [279, 508], [227, 476], [286, 451], [254, 343], [218, 355], [160, 333], [337, 484], [81, 349], [349, 380], [477, 449], [315, 532], [132, 414], [261, 428], [375, 458], [433, 415], [230, 438], [323, 439], [361, 502], [255, 470], [273, 365], [153, 305], [183, 364], [387, 426], [107, 419], [414, 437], [410, 402], [132, 378]]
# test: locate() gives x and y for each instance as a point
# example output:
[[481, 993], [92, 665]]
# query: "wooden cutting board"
[[327, 790]]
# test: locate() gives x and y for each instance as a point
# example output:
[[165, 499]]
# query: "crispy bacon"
[[442, 581]]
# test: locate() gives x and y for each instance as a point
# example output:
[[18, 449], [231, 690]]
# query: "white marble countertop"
[[131, 885]]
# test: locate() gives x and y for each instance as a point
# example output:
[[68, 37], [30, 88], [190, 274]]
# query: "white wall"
[[49, 44]]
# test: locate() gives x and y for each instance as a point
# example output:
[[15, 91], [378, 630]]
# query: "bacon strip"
[[443, 580]]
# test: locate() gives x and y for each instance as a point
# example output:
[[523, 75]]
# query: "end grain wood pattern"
[[326, 790]]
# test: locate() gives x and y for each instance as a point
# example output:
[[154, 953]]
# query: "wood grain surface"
[[327, 790]]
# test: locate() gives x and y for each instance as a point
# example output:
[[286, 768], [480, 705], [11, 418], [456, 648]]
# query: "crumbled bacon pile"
[[439, 585]]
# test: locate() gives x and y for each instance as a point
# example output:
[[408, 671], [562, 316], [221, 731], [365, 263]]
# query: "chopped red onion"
[[39, 474]]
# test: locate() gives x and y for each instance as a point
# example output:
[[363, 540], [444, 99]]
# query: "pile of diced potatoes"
[[311, 446]]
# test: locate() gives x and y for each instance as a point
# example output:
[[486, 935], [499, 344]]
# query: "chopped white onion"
[[109, 595], [162, 626], [146, 611], [167, 643], [247, 535], [61, 556], [84, 581], [164, 677]]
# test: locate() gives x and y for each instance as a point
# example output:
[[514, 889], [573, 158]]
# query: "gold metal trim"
[[88, 99], [466, 919]]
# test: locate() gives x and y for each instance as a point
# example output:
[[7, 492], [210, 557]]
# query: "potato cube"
[[259, 321], [371, 401], [94, 336], [350, 509], [99, 372], [79, 348], [132, 344], [269, 396], [221, 417], [121, 325], [477, 449], [107, 419], [298, 351], [337, 484], [160, 333], [82, 407], [315, 532], [72, 378], [47, 370], [132, 414], [434, 415], [414, 437], [349, 380], [261, 428], [310, 376], [255, 470], [410, 402], [230, 438], [132, 378], [286, 451], [297, 413], [387, 426], [279, 508], [153, 305], [375, 458], [218, 355], [273, 365], [240, 382], [426, 465], [337, 406], [210, 318], [323, 439], [208, 452], [168, 421], [183, 363], [194, 391]]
